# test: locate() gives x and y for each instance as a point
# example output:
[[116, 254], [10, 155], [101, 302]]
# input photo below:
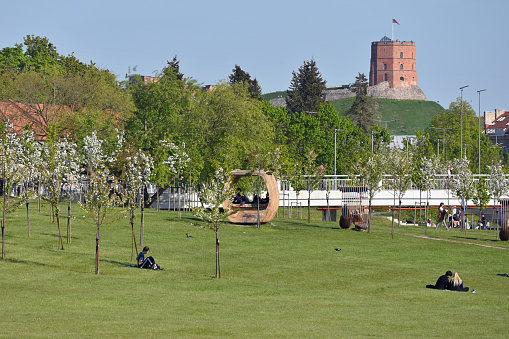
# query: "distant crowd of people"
[[454, 219]]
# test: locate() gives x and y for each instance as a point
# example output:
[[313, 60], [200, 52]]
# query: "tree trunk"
[[393, 208], [39, 196], [218, 266], [134, 245], [69, 221], [309, 207], [60, 239], [142, 218], [28, 216], [97, 242], [426, 215], [3, 226], [328, 208], [369, 216], [178, 203], [399, 213]]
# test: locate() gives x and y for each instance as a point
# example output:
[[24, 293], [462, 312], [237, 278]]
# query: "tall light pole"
[[443, 140], [335, 130], [466, 149], [479, 91], [372, 139], [461, 136], [438, 143]]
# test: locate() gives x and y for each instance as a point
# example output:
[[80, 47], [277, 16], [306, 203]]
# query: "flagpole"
[[392, 37]]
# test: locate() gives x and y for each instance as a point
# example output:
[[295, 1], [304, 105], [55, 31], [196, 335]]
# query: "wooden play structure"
[[248, 213], [504, 217], [355, 207]]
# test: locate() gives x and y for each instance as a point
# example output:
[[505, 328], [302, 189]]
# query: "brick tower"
[[393, 61]]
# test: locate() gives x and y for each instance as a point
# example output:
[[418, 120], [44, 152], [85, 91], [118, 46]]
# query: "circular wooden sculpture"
[[248, 213]]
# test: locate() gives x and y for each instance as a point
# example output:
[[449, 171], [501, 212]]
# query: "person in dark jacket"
[[442, 282]]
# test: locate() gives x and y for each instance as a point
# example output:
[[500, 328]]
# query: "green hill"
[[411, 115]]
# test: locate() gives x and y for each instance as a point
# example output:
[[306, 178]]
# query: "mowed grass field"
[[284, 280]]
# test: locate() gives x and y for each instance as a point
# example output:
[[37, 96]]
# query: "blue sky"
[[457, 42]]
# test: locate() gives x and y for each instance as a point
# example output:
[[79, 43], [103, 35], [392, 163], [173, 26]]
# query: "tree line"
[[221, 128]]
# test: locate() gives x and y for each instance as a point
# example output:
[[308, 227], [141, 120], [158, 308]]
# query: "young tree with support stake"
[[400, 167], [370, 175], [463, 185], [59, 165], [428, 171], [136, 166], [212, 196], [29, 157], [11, 172], [499, 185], [101, 197], [314, 174], [177, 162]]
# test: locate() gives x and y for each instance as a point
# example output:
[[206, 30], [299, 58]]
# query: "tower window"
[[402, 79], [401, 55], [400, 66], [385, 76], [385, 66]]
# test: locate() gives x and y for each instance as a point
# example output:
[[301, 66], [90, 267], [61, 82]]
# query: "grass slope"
[[411, 115], [281, 281]]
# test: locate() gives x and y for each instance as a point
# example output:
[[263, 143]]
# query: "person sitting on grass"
[[442, 282], [457, 284], [148, 262], [456, 220]]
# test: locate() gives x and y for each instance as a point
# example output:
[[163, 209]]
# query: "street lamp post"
[[438, 143], [479, 91], [372, 139], [443, 139], [466, 149], [335, 132], [461, 136]]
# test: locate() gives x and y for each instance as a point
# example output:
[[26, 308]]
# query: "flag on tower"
[[394, 21]]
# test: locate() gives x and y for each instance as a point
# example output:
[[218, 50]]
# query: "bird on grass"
[[338, 249], [189, 236]]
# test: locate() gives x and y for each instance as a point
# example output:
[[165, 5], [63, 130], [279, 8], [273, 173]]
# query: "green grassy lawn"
[[281, 281]]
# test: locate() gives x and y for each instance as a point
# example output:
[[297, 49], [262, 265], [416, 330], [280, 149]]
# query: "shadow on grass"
[[26, 262], [477, 239]]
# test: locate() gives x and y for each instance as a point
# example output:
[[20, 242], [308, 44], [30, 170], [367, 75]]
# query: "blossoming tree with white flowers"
[[212, 196], [463, 185], [428, 171], [101, 198], [12, 172], [59, 166], [29, 158], [136, 166], [177, 162]]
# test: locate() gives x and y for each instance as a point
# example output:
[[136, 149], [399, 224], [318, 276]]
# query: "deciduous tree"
[[212, 195]]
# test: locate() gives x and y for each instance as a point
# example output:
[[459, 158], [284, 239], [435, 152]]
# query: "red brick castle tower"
[[394, 62]]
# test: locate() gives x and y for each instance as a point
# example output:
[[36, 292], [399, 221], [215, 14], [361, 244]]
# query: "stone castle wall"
[[382, 91]]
